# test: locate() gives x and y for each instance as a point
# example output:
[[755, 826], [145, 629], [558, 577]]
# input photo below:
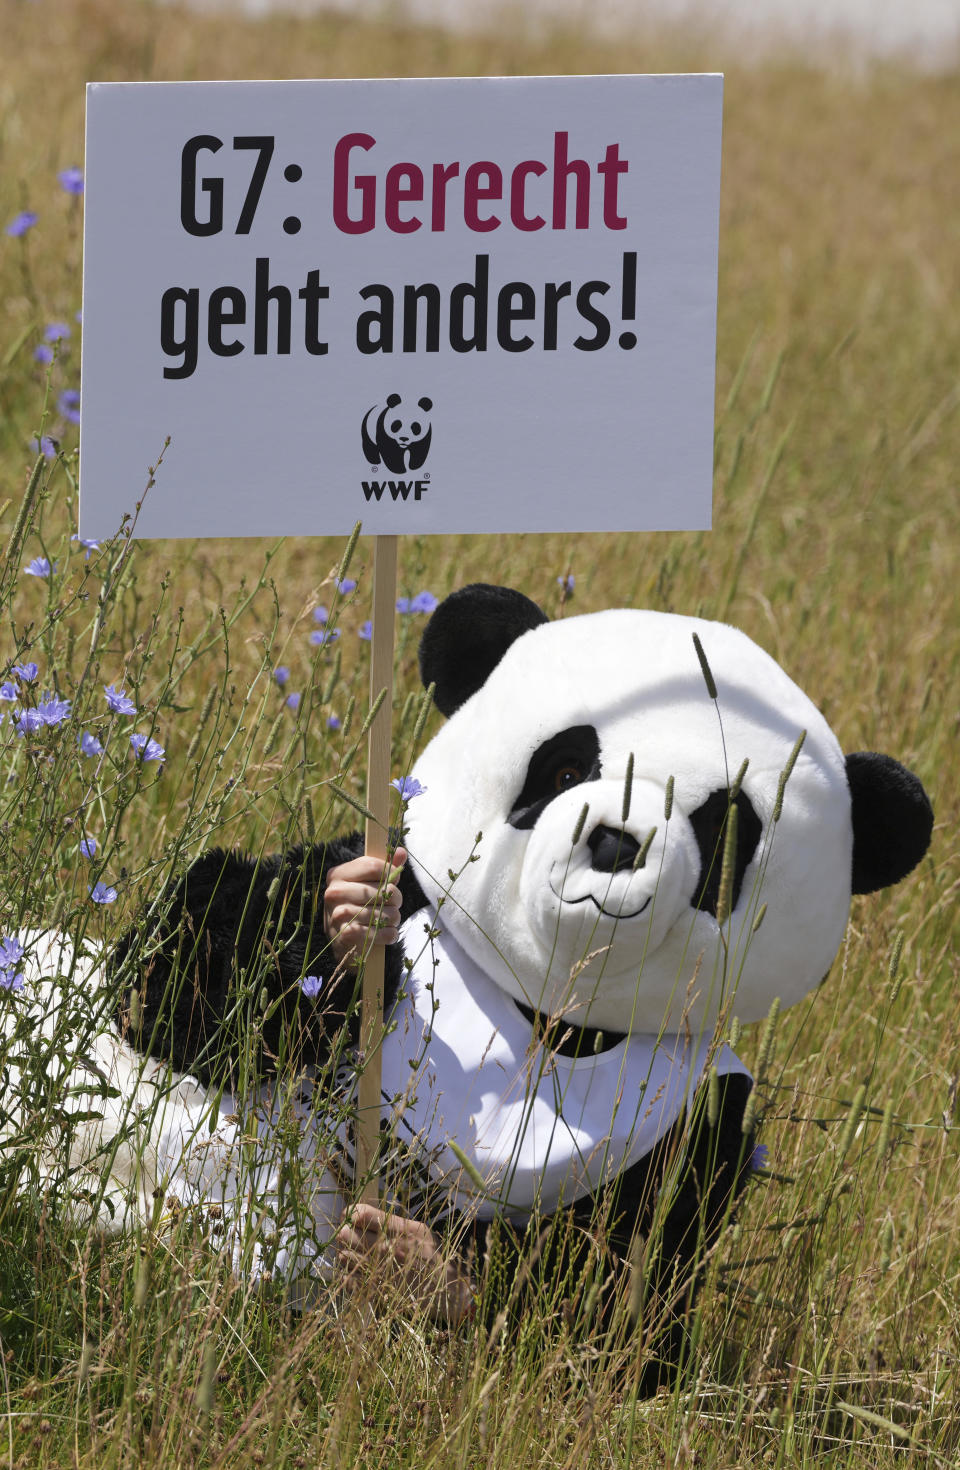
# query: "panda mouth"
[[610, 913]]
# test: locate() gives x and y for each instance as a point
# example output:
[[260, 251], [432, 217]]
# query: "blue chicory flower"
[[567, 582], [119, 701], [69, 405], [281, 673], [28, 722], [9, 691], [26, 672], [292, 701], [424, 602], [89, 744], [408, 787], [52, 710], [45, 446], [22, 222], [56, 332], [71, 180], [40, 567], [43, 353], [11, 952], [334, 722], [365, 631], [310, 985], [760, 1156], [145, 749], [87, 542], [102, 893], [403, 604], [346, 586], [321, 614], [322, 636], [88, 847]]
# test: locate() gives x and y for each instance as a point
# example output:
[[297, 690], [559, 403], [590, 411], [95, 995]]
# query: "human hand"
[[376, 1249], [361, 904]]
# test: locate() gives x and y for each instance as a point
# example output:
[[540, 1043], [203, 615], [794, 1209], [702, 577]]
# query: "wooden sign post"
[[376, 844]]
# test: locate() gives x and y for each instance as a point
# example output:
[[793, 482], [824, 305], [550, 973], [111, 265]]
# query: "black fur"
[[219, 946], [467, 637], [892, 820]]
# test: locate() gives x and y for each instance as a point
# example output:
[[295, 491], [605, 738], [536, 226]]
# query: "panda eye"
[[709, 824], [557, 765], [414, 427], [396, 426]]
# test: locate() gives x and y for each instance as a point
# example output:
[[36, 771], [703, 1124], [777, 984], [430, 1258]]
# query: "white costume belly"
[[538, 1129]]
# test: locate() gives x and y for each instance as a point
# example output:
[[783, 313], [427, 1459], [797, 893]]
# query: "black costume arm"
[[217, 970]]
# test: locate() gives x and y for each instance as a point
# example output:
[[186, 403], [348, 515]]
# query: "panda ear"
[[425, 403], [393, 400], [467, 637], [892, 820]]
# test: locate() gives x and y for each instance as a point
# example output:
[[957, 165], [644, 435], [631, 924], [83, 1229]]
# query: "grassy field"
[[829, 1330]]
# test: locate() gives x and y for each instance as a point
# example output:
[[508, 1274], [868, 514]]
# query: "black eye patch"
[[565, 760], [709, 824]]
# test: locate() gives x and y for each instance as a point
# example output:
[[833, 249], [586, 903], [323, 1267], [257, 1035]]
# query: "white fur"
[[539, 1129], [636, 678]]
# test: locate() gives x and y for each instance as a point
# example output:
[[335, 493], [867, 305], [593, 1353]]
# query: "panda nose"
[[612, 850]]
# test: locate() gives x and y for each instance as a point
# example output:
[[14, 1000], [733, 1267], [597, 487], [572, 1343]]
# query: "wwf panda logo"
[[397, 435]]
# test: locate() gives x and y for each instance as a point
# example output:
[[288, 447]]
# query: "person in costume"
[[632, 828]]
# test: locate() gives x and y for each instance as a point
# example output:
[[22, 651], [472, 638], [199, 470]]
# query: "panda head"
[[405, 424], [575, 807]]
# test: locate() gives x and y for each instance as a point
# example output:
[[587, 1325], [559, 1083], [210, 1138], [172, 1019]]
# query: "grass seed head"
[[708, 678], [348, 551], [627, 790], [886, 1129], [423, 713], [750, 1113], [766, 1039], [728, 866], [640, 861], [851, 1122], [896, 977], [373, 711], [785, 774], [205, 711], [207, 1387], [713, 1097], [141, 1288]]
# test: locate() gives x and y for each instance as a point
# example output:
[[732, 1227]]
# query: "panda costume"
[[576, 923]]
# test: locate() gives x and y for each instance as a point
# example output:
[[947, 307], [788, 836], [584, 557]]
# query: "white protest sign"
[[473, 305]]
